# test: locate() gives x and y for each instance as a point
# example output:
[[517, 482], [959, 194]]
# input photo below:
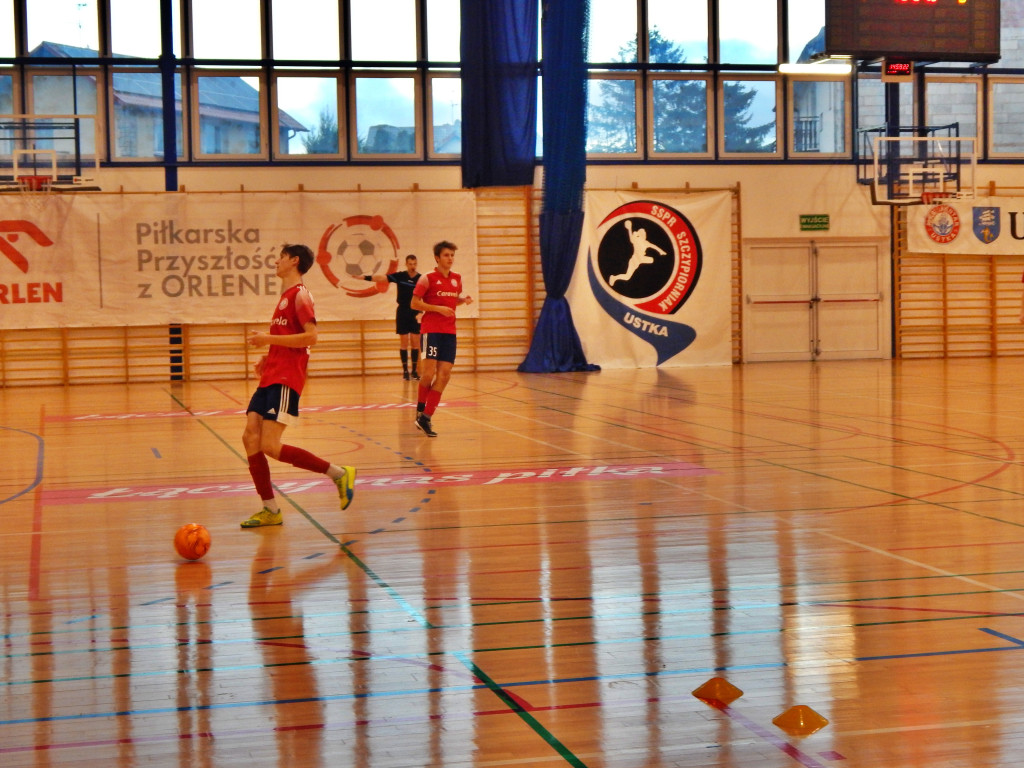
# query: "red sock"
[[297, 457], [421, 397], [259, 468], [433, 398]]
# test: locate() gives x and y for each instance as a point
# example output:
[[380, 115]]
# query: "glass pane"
[[870, 103], [229, 115], [446, 112], [611, 116], [138, 115], [1010, 37], [57, 95], [678, 31], [443, 30], [386, 115], [135, 27], [6, 94], [749, 116], [1008, 118], [6, 30], [819, 116], [540, 117], [806, 33], [612, 31], [384, 30], [226, 29], [69, 22], [749, 32], [307, 115], [306, 31], [680, 115], [953, 103]]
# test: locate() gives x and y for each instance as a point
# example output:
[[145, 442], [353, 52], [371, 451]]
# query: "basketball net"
[[34, 190]]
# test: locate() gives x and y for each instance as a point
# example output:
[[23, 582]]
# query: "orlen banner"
[[97, 259], [984, 225], [653, 278]]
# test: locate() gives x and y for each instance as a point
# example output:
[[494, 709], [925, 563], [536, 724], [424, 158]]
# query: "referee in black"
[[406, 325]]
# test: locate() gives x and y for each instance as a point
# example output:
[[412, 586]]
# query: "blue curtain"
[[556, 344], [499, 92]]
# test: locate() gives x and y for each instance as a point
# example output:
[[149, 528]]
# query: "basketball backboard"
[[910, 168]]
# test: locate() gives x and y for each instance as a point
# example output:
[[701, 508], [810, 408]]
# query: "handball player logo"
[[10, 232], [648, 262], [942, 224], [362, 245]]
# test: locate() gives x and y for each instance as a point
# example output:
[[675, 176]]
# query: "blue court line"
[[387, 694], [39, 464], [1017, 645]]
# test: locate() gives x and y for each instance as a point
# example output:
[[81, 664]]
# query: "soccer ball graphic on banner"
[[363, 251], [363, 245]]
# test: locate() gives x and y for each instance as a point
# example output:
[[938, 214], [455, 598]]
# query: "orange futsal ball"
[[192, 541]]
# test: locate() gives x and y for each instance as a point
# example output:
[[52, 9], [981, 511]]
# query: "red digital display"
[[914, 30]]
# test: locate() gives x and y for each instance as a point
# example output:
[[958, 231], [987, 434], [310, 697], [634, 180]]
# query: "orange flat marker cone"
[[800, 721], [718, 692]]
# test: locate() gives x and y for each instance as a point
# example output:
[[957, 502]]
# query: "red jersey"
[[287, 365], [434, 288]]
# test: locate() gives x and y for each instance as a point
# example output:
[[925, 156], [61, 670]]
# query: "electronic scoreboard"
[[913, 30]]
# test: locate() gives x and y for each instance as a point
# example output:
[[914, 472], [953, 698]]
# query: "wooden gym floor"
[[545, 584]]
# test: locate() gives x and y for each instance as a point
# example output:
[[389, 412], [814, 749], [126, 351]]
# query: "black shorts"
[[405, 321], [275, 402], [439, 346]]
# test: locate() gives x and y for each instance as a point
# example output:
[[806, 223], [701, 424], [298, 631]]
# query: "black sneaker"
[[405, 375], [423, 424], [415, 375]]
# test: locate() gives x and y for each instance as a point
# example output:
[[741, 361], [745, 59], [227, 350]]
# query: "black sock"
[[404, 354]]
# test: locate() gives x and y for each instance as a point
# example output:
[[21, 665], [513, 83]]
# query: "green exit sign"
[[813, 222]]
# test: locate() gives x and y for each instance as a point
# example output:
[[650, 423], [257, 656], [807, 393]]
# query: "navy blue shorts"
[[438, 346], [275, 402]]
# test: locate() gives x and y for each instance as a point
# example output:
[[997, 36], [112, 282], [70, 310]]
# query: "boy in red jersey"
[[275, 404], [436, 295]]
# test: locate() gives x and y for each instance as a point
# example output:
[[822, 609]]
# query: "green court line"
[[376, 579], [516, 707]]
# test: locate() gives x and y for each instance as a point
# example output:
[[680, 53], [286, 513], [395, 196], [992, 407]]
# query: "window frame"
[[709, 112], [112, 112], [777, 154], [791, 119], [990, 128], [638, 116], [416, 75], [432, 77], [98, 115], [275, 110], [197, 153]]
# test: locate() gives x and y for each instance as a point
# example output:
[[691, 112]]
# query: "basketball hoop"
[[32, 183], [35, 191]]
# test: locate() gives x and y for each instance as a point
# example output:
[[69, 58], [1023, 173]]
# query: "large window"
[[378, 81]]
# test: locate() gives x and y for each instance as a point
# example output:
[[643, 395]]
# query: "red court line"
[[36, 545]]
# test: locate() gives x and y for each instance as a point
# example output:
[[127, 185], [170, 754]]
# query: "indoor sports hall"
[[726, 470]]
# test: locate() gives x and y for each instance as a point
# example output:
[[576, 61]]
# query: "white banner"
[[652, 280], [985, 225], [101, 259]]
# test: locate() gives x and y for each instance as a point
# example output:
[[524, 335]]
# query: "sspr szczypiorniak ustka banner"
[[652, 280]]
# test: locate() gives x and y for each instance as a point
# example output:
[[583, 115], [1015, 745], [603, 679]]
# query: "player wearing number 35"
[[436, 295]]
